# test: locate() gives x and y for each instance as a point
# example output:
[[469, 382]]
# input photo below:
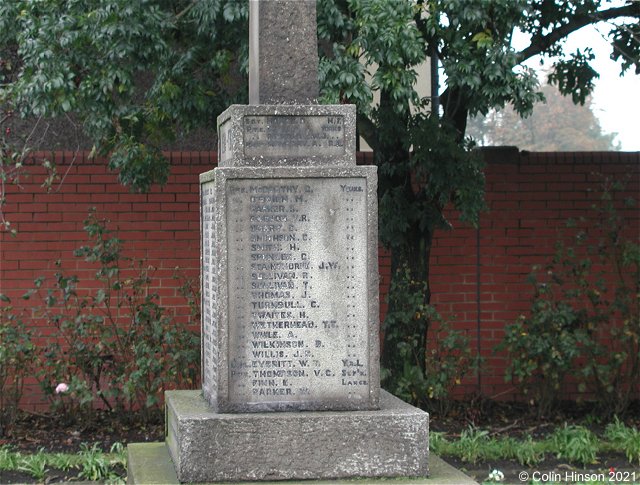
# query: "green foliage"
[[575, 77], [447, 362], [543, 349], [438, 443], [97, 465], [414, 189], [625, 438], [409, 321], [92, 463], [528, 452], [35, 465], [610, 282], [625, 46], [136, 73], [476, 445], [585, 319], [8, 459], [480, 64], [473, 41], [17, 357], [406, 326], [115, 343], [460, 181], [189, 289], [133, 72], [406, 216], [576, 444], [384, 41], [473, 444], [139, 164], [12, 165]]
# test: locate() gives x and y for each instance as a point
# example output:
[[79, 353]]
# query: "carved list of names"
[[208, 290], [297, 304]]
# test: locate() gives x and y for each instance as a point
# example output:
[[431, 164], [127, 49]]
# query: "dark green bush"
[[17, 356], [443, 352], [114, 343], [543, 349], [585, 318]]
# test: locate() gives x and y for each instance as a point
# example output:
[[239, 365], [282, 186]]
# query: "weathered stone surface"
[[205, 446], [209, 288], [290, 304], [291, 313], [313, 135], [283, 52], [150, 463]]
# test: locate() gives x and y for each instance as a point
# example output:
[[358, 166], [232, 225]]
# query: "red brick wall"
[[161, 228], [478, 276]]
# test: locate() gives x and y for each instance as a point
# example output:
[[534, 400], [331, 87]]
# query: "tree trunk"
[[455, 107], [410, 254], [416, 260]]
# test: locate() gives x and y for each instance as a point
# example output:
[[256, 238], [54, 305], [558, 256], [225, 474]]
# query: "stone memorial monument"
[[290, 308]]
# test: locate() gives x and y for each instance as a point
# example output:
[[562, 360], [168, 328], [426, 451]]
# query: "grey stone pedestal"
[[214, 447], [150, 464]]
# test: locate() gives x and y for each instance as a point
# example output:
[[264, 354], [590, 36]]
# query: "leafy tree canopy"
[[134, 71]]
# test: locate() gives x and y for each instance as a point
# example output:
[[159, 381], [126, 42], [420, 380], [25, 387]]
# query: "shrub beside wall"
[[160, 228], [479, 277]]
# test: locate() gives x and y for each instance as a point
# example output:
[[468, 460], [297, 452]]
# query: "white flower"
[[62, 388], [496, 476]]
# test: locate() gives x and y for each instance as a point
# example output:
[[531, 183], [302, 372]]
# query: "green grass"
[[476, 445], [528, 452], [574, 443], [91, 463], [624, 438]]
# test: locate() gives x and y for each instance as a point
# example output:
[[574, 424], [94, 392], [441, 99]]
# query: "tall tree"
[[556, 124], [422, 154], [133, 71]]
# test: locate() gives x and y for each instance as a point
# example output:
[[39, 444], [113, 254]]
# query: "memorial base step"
[[213, 447], [150, 464]]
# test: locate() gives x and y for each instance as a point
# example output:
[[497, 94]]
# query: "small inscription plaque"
[[297, 297], [293, 136]]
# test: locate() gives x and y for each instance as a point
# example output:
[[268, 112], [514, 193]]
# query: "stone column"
[[290, 305]]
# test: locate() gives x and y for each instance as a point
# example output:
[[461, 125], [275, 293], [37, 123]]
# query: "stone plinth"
[[150, 464], [211, 447], [290, 289], [286, 135]]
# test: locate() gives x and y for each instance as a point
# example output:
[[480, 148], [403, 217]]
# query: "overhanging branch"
[[540, 44]]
